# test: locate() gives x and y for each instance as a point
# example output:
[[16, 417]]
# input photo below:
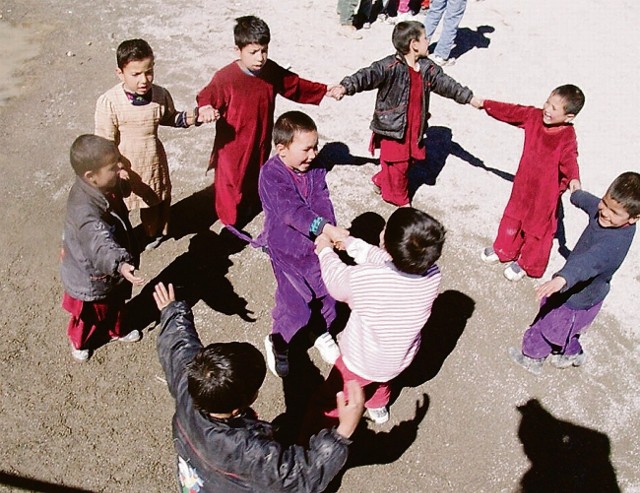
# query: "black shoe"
[[277, 357]]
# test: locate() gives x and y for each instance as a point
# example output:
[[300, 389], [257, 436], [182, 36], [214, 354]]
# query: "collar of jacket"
[[95, 194]]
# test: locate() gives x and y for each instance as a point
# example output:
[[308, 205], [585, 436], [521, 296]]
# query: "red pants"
[[97, 320], [531, 252], [393, 181]]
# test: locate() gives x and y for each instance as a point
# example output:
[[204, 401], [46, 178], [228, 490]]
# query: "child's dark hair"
[[625, 190], [251, 29], [225, 376], [414, 240], [131, 50], [90, 153], [404, 33], [573, 98], [289, 123]]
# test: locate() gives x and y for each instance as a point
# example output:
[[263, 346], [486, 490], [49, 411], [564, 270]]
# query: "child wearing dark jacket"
[[97, 248], [404, 81], [573, 298], [222, 447]]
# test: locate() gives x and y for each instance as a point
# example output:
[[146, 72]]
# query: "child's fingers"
[[356, 394], [172, 295], [341, 401]]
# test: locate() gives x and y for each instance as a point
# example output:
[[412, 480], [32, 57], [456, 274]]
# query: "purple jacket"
[[290, 210]]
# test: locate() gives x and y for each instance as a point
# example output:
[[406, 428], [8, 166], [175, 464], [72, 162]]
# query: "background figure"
[[347, 10], [453, 10]]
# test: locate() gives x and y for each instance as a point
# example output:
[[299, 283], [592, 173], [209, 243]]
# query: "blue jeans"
[[452, 10]]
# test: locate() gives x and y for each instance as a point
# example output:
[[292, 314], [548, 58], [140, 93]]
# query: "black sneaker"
[[277, 357]]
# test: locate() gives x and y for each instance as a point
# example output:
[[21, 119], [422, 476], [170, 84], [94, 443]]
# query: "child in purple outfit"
[[572, 299], [297, 209]]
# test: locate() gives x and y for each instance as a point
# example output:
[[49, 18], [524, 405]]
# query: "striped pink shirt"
[[388, 309]]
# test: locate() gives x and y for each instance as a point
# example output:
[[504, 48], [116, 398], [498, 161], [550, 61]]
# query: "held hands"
[[123, 174], [127, 271], [548, 288], [207, 114], [322, 242], [350, 412], [336, 92], [477, 103], [163, 296], [575, 185], [336, 234]]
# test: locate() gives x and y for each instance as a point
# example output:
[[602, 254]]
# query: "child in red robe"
[[243, 95], [548, 164]]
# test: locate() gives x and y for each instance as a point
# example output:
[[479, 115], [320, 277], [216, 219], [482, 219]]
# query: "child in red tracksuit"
[[548, 164]]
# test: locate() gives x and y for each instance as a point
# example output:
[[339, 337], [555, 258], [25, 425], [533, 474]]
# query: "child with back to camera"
[[390, 293], [129, 114], [573, 298], [221, 445], [98, 253], [404, 82], [242, 97], [297, 209], [549, 163]]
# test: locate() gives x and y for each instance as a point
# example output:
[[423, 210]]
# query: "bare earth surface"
[[466, 419]]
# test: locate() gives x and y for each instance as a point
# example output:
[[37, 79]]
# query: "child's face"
[[105, 178], [420, 46], [553, 112], [137, 75], [301, 152], [611, 213], [253, 56]]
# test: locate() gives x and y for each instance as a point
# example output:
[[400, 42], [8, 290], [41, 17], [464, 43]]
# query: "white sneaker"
[[349, 31], [80, 355], [328, 348], [442, 62], [514, 272], [379, 415], [133, 336], [489, 256]]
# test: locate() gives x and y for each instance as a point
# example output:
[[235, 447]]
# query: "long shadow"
[[561, 232], [468, 39], [440, 145], [198, 274], [564, 457], [193, 214], [384, 447], [449, 316], [29, 484], [338, 153]]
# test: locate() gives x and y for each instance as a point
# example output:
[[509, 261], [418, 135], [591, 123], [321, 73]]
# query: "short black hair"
[[131, 50], [573, 98], [414, 240], [225, 376], [625, 190], [251, 29], [90, 153], [289, 123], [404, 33]]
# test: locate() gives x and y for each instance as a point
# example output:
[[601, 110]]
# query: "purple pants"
[[557, 329], [294, 300]]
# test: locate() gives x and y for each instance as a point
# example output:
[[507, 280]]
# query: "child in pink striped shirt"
[[390, 293]]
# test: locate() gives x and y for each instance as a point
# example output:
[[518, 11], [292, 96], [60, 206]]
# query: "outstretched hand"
[[548, 288], [207, 114], [350, 412], [163, 296], [127, 271], [575, 185], [477, 103], [336, 91]]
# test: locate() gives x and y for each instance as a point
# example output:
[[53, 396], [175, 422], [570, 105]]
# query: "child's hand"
[[349, 413], [207, 114], [335, 233], [337, 92], [163, 296], [127, 271], [477, 103], [123, 174], [575, 185], [548, 288], [322, 242]]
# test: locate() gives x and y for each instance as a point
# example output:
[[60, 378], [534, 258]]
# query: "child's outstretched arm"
[[514, 114], [128, 272], [337, 92], [548, 288], [365, 79], [350, 411]]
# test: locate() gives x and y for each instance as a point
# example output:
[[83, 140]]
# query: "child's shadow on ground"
[[468, 39], [564, 456], [198, 274], [338, 153], [440, 145]]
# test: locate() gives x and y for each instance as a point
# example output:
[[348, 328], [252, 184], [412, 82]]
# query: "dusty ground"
[[105, 425]]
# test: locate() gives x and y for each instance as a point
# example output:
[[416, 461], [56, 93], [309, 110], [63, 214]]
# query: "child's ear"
[[568, 117], [237, 50], [88, 176], [280, 148], [119, 74], [633, 220]]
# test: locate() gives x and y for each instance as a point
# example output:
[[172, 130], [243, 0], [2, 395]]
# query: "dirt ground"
[[465, 419]]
